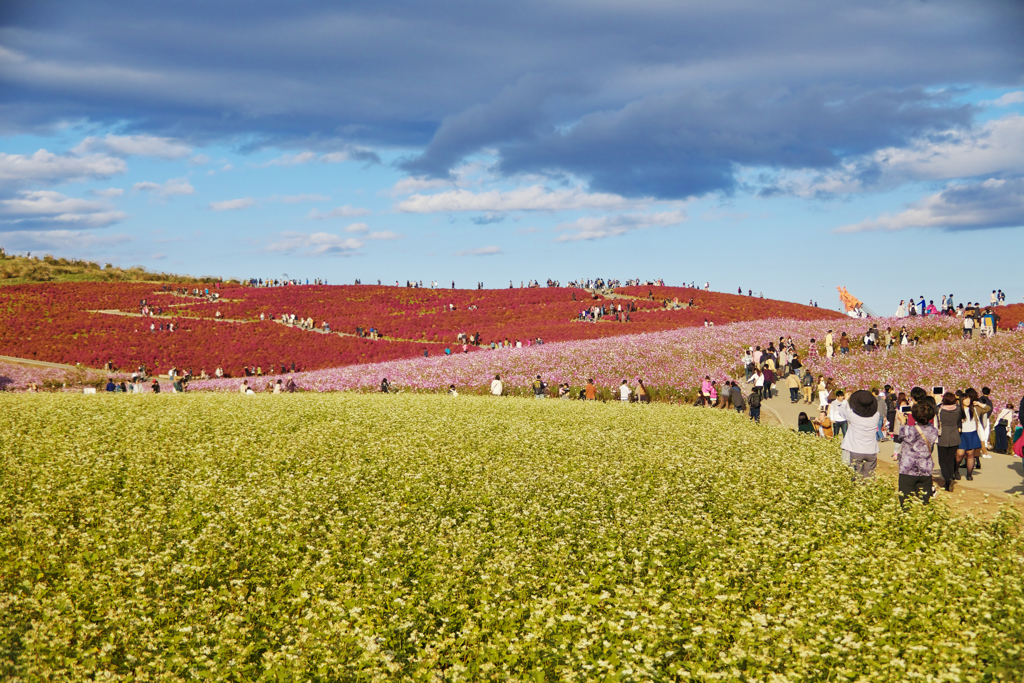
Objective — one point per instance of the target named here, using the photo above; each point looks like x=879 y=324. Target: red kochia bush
x=56 y=322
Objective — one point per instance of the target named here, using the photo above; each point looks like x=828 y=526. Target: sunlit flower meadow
x=424 y=537
x=675 y=360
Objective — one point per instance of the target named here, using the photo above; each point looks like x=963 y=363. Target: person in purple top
x=916 y=463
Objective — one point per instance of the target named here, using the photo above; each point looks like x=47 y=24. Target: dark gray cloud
x=639 y=97
x=993 y=203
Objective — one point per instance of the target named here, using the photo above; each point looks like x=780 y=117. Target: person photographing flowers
x=915 y=457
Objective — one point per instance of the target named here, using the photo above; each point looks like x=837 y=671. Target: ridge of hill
x=17 y=270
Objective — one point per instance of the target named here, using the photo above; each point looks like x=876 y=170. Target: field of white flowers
x=378 y=537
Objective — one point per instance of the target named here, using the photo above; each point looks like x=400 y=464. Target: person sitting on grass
x=823 y=424
x=804 y=424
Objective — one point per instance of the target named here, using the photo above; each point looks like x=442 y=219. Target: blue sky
x=785 y=147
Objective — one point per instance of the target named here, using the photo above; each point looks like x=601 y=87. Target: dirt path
x=999 y=478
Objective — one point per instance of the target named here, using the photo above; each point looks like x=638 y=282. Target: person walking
x=793 y=383
x=641 y=392
x=539 y=387
x=915 y=460
x=807 y=384
x=860 y=425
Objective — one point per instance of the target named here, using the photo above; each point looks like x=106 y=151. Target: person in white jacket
x=624 y=392
x=497 y=388
x=860 y=444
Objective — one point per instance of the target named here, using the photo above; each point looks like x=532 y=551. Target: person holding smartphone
x=969 y=419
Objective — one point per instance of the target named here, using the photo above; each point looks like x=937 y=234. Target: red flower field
x=63 y=322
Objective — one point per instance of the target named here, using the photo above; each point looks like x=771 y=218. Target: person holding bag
x=1002 y=426
x=916 y=453
x=970 y=419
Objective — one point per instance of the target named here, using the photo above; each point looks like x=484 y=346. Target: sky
x=786 y=148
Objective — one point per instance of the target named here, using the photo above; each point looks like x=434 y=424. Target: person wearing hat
x=860 y=442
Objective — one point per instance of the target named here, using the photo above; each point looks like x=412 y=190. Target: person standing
x=385 y=386
x=860 y=425
x=590 y=391
x=828 y=344
x=837 y=415
x=539 y=387
x=1002 y=427
x=970 y=443
x=808 y=386
x=624 y=392
x=754 y=401
x=736 y=396
x=758 y=380
x=497 y=388
x=916 y=453
x=949 y=439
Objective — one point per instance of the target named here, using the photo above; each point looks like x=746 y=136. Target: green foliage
x=377 y=537
x=16 y=270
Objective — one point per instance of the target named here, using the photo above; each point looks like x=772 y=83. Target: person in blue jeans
x=754 y=401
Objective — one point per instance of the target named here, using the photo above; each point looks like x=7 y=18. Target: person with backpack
x=539 y=387
x=754 y=401
x=807 y=385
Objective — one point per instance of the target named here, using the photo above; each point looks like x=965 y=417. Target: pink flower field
x=678 y=359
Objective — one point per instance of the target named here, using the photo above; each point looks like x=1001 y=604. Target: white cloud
x=1006 y=100
x=482 y=251
x=45 y=207
x=358 y=228
x=72 y=242
x=383 y=235
x=993 y=203
x=232 y=204
x=533 y=198
x=46 y=167
x=315 y=244
x=300 y=158
x=199 y=160
x=598 y=227
x=107 y=192
x=299 y=198
x=172 y=188
x=997 y=147
x=135 y=145
x=338 y=212
x=409 y=185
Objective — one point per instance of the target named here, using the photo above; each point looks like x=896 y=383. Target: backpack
x=754 y=401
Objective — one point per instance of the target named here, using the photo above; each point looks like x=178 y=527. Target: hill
x=15 y=270
x=233 y=326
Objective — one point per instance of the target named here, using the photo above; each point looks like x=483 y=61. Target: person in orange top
x=824 y=424
x=591 y=390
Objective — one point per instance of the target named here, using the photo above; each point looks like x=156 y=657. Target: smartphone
x=905 y=410
x=938 y=391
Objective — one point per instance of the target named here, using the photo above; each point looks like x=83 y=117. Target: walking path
x=1000 y=475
